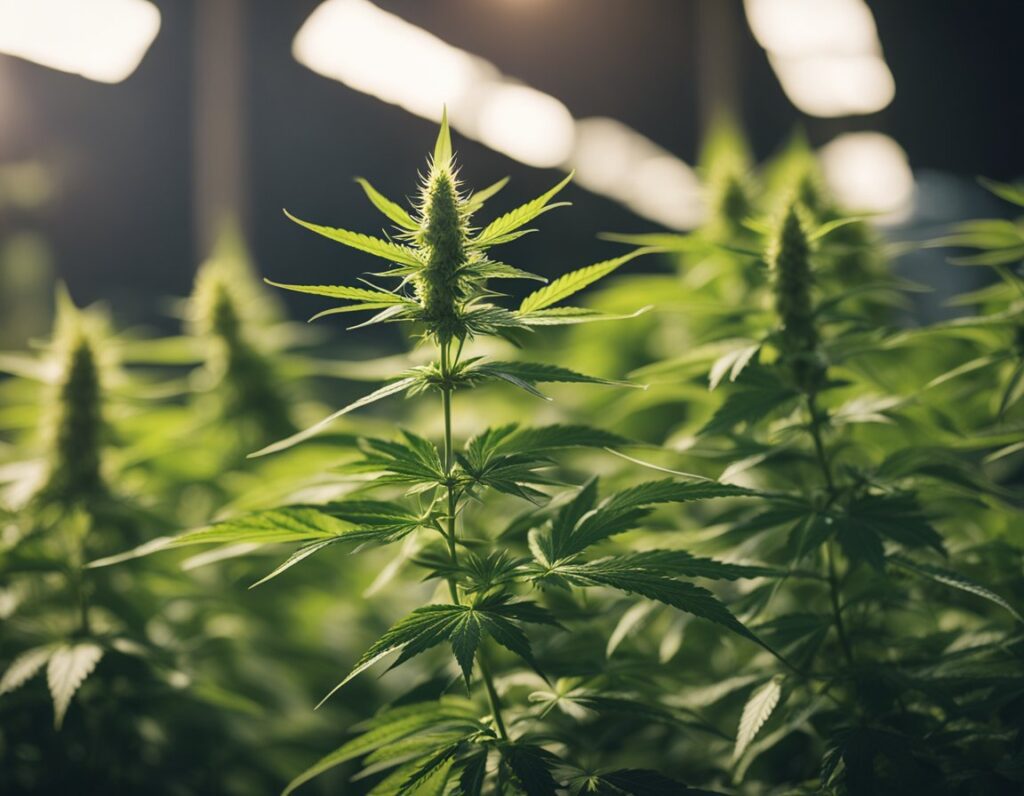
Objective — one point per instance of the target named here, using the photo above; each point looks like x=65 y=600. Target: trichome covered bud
x=440 y=284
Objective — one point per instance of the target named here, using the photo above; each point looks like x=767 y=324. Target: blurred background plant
x=787 y=298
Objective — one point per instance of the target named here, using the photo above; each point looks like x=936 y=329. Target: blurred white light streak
x=826 y=54
x=611 y=158
x=526 y=124
x=836 y=85
x=381 y=54
x=869 y=172
x=811 y=27
x=102 y=40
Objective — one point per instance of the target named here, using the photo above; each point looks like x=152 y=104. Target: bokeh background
x=117 y=188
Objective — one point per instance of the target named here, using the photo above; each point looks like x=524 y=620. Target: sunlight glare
x=613 y=159
x=381 y=54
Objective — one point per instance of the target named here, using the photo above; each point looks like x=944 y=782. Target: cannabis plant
x=713 y=308
x=61 y=509
x=889 y=651
x=703 y=301
x=93 y=654
x=241 y=376
x=235 y=394
x=511 y=708
x=995 y=336
x=228 y=313
x=56 y=498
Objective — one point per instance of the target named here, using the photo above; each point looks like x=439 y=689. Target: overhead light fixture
x=869 y=172
x=830 y=86
x=381 y=54
x=102 y=40
x=611 y=158
x=810 y=27
x=826 y=54
x=526 y=124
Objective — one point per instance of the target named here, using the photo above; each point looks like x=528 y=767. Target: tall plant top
x=443 y=265
x=498 y=586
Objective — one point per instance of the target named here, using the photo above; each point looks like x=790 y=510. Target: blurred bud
x=229 y=310
x=789 y=259
x=74 y=421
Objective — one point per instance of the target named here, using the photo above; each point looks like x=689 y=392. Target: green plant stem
x=83 y=602
x=446 y=400
x=833 y=580
x=492 y=697
x=75 y=552
x=819 y=445
x=837 y=611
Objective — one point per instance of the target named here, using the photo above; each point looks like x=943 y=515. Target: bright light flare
x=379 y=53
x=666 y=190
x=613 y=159
x=826 y=54
x=102 y=40
x=829 y=86
x=794 y=28
x=526 y=124
x=869 y=172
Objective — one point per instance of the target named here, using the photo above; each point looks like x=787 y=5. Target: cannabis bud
x=730 y=203
x=228 y=311
x=440 y=284
x=724 y=161
x=789 y=259
x=74 y=434
x=811 y=194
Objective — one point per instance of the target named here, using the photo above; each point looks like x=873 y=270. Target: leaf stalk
x=826 y=470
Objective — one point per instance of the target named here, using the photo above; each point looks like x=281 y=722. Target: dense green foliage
x=781 y=555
